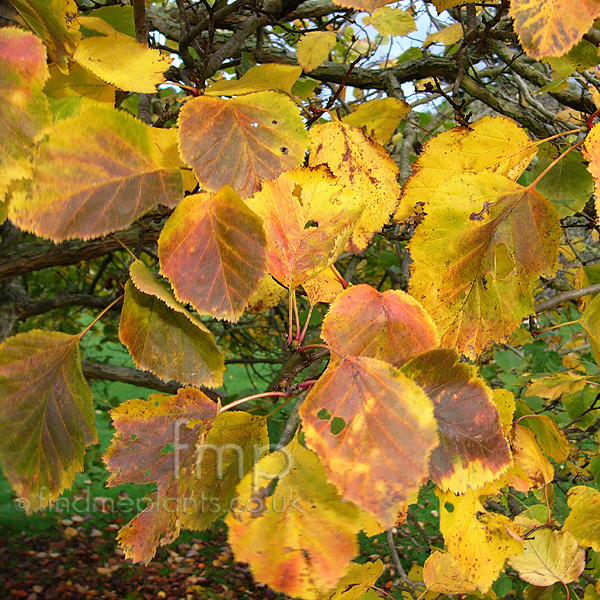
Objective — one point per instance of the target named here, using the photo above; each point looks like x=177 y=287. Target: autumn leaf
x=391 y=326
x=478 y=253
x=152 y=320
x=583 y=520
x=23 y=72
x=324 y=286
x=156 y=441
x=552 y=27
x=549 y=436
x=442 y=574
x=213 y=251
x=473 y=450
x=365 y=168
x=362 y=5
x=549 y=557
x=494 y=144
x=529 y=458
x=591 y=152
x=313 y=49
x=479 y=541
x=240 y=141
x=46 y=414
x=308 y=217
x=555 y=385
x=391 y=21
x=261 y=78
x=118 y=178
x=76 y=83
x=359 y=578
x=120 y=60
x=364 y=412
x=505 y=404
x=590 y=321
x=267 y=294
x=442 y=5
x=55 y=22
x=379 y=118
x=292 y=526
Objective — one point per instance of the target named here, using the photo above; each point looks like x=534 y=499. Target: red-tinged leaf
x=46 y=414
x=23 y=105
x=55 y=21
x=165 y=338
x=472 y=449
x=365 y=413
x=591 y=153
x=390 y=326
x=297 y=533
x=140 y=453
x=213 y=251
x=240 y=141
x=308 y=218
x=88 y=194
x=365 y=168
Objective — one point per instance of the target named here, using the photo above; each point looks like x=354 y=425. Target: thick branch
x=39 y=307
x=566 y=296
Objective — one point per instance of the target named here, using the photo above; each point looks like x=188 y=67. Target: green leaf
x=46 y=414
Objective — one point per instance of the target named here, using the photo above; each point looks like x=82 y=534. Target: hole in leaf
x=274 y=121
x=337 y=425
x=310 y=223
x=253 y=124
x=168 y=449
x=283 y=150
x=133 y=436
x=324 y=414
x=147 y=472
x=449 y=507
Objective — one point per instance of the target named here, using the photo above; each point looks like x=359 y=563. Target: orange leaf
x=213 y=251
x=390 y=326
x=240 y=141
x=365 y=413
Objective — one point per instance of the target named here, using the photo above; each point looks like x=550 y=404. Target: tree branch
x=566 y=296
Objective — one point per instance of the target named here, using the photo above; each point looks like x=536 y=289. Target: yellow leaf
x=324 y=286
x=55 y=21
x=268 y=294
x=509 y=233
x=442 y=5
x=552 y=27
x=480 y=544
x=529 y=457
x=167 y=144
x=365 y=168
x=122 y=61
x=584 y=519
x=391 y=21
x=442 y=574
x=308 y=217
x=362 y=5
x=591 y=152
x=292 y=526
x=505 y=403
x=379 y=118
x=448 y=35
x=590 y=321
x=554 y=386
x=313 y=49
x=494 y=144
x=261 y=78
x=78 y=82
x=550 y=557
x=357 y=580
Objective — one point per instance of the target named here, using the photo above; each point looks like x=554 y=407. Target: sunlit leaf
x=55 y=21
x=480 y=249
x=92 y=193
x=267 y=294
x=391 y=326
x=365 y=413
x=292 y=526
x=584 y=519
x=120 y=60
x=473 y=450
x=140 y=453
x=552 y=27
x=356 y=582
x=379 y=118
x=448 y=35
x=590 y=321
x=549 y=557
x=365 y=168
x=152 y=321
x=591 y=152
x=479 y=541
x=391 y=21
x=261 y=78
x=313 y=49
x=23 y=72
x=550 y=437
x=76 y=83
x=495 y=144
x=555 y=385
x=442 y=574
x=324 y=287
x=240 y=141
x=362 y=5
x=46 y=414
x=442 y=5
x=308 y=218
x=529 y=458
x=213 y=251
x=505 y=403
